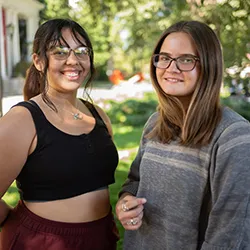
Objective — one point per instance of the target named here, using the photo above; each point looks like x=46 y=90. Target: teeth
x=71 y=74
x=172 y=80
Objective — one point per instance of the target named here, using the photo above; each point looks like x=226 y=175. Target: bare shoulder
x=17 y=125
x=16 y=117
x=17 y=131
x=105 y=118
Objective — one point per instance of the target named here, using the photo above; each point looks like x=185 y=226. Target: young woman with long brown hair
x=60 y=151
x=189 y=185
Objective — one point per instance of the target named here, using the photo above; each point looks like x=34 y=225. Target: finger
x=140 y=216
x=133 y=227
x=132 y=224
x=135 y=220
x=124 y=216
x=132 y=203
x=124 y=206
x=132 y=219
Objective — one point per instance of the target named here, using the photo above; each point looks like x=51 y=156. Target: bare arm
x=16 y=135
x=106 y=119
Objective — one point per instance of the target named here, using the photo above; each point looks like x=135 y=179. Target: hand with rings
x=132 y=222
x=129 y=210
x=124 y=206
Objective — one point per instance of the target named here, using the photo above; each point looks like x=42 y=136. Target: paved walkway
x=118 y=92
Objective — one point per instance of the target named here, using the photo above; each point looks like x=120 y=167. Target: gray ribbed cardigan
x=196 y=198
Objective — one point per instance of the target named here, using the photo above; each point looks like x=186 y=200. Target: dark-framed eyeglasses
x=62 y=53
x=183 y=63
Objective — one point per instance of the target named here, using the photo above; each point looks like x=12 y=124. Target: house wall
x=9 y=32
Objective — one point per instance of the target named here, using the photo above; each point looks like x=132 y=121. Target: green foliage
x=54 y=9
x=125 y=32
x=20 y=68
x=230 y=20
x=101 y=73
x=238 y=104
x=131 y=112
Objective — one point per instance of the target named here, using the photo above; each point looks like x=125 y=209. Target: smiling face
x=66 y=75
x=171 y=80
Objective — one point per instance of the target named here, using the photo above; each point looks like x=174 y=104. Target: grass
x=126 y=138
x=120 y=177
x=12 y=195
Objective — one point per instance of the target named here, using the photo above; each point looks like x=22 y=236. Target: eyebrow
x=168 y=54
x=66 y=46
x=62 y=42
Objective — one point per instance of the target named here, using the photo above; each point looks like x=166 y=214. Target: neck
x=59 y=98
x=66 y=109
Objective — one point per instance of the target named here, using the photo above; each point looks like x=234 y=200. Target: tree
x=231 y=21
x=125 y=32
x=54 y=9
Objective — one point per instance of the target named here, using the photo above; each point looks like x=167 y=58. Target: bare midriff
x=83 y=208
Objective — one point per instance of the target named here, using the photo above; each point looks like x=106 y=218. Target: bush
x=131 y=112
x=238 y=104
x=20 y=68
x=134 y=112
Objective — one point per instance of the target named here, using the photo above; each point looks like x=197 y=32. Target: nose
x=173 y=67
x=72 y=59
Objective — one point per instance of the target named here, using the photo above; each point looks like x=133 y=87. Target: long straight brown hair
x=196 y=125
x=47 y=35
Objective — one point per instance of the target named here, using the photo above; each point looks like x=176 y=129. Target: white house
x=19 y=20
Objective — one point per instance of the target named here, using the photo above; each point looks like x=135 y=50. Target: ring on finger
x=124 y=207
x=132 y=222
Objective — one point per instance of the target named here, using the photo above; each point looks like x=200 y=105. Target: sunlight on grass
x=123 y=129
x=127 y=137
x=12 y=195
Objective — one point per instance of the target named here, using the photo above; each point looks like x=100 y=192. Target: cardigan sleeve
x=132 y=183
x=229 y=219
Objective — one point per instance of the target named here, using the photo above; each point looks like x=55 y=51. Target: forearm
x=4 y=211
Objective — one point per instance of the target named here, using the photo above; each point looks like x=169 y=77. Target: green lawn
x=120 y=176
x=126 y=138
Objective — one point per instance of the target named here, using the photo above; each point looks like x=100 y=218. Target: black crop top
x=64 y=165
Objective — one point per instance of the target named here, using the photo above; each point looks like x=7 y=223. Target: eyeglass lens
x=183 y=63
x=62 y=53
